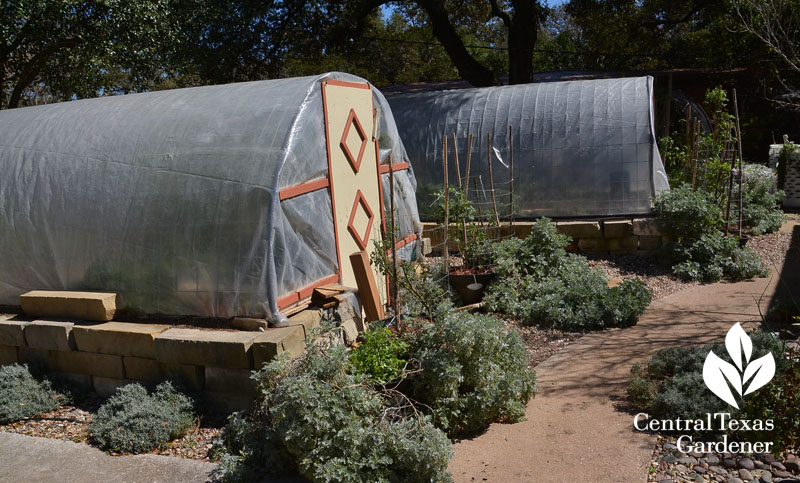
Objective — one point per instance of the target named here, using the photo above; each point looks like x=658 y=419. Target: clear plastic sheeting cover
x=171 y=198
x=581 y=148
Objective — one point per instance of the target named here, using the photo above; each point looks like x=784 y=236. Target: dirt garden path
x=580 y=426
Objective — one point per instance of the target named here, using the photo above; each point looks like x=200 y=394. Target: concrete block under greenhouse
x=148 y=371
x=120 y=338
x=627 y=244
x=308 y=319
x=8 y=354
x=236 y=382
x=50 y=335
x=617 y=228
x=646 y=227
x=580 y=229
x=92 y=306
x=206 y=347
x=106 y=386
x=276 y=341
x=593 y=245
x=91 y=364
x=648 y=242
x=79 y=381
x=28 y=355
x=12 y=331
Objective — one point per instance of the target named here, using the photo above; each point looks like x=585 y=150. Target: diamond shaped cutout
x=348 y=140
x=360 y=207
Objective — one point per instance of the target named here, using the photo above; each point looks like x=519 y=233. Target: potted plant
x=474 y=267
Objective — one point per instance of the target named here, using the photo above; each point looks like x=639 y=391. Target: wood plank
x=367 y=288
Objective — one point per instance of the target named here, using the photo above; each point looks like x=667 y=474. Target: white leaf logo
x=721 y=376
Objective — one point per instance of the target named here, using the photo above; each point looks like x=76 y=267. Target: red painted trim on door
x=357 y=85
x=395 y=167
x=303 y=188
x=305 y=292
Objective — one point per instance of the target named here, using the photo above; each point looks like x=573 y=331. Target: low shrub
x=381 y=355
x=781 y=403
x=760 y=200
x=23 y=396
x=540 y=283
x=474 y=372
x=670 y=385
x=134 y=420
x=684 y=214
x=702 y=252
x=715 y=256
x=320 y=419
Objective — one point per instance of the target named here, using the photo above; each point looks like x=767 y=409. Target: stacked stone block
x=105 y=356
x=629 y=235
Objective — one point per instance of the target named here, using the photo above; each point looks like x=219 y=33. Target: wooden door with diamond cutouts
x=354 y=172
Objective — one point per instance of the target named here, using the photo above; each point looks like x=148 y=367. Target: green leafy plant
x=686 y=214
x=23 y=396
x=421 y=285
x=470 y=240
x=701 y=251
x=474 y=372
x=714 y=256
x=381 y=355
x=134 y=420
x=760 y=200
x=540 y=283
x=319 y=418
x=781 y=404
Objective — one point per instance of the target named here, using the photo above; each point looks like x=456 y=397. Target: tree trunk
x=33 y=67
x=523 y=30
x=469 y=69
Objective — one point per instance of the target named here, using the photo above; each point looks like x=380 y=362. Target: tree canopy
x=62 y=49
x=59 y=49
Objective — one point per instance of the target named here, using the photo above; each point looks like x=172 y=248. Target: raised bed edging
x=108 y=355
x=627 y=235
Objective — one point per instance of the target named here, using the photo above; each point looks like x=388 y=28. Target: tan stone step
x=120 y=338
x=206 y=347
x=276 y=341
x=95 y=306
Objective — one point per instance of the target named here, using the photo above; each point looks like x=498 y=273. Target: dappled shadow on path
x=785 y=301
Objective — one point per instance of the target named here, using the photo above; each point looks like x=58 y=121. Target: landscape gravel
x=670 y=464
x=71 y=423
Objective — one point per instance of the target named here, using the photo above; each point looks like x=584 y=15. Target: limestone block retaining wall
x=104 y=356
x=619 y=235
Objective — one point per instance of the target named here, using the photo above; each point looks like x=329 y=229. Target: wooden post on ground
x=458 y=177
x=511 y=176
x=393 y=285
x=466 y=172
x=491 y=177
x=367 y=288
x=455 y=158
x=446 y=249
x=741 y=161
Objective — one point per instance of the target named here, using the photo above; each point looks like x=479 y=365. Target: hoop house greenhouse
x=218 y=201
x=580 y=148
